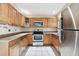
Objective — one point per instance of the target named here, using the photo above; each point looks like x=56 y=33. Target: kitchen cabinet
x=47 y=22
x=13 y=15
x=51 y=39
x=13 y=47
x=21 y=20
x=55 y=41
x=44 y=20
x=29 y=38
x=9 y=15
x=47 y=39
x=52 y=22
x=17 y=18
x=9 y=48
x=14 y=50
x=27 y=22
x=18 y=46
x=4 y=13
x=4 y=48
x=23 y=44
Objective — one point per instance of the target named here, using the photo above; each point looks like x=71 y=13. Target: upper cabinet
x=39 y=20
x=9 y=15
x=20 y=20
x=47 y=22
x=4 y=13
x=53 y=22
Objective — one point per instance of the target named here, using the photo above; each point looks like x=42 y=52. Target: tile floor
x=40 y=51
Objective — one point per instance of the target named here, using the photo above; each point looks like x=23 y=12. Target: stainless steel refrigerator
x=70 y=30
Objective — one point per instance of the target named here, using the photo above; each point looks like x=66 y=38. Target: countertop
x=9 y=37
x=11 y=34
x=12 y=37
x=18 y=36
x=51 y=33
x=41 y=29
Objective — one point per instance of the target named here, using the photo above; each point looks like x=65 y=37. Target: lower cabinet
x=46 y=39
x=15 y=47
x=55 y=41
x=14 y=50
x=29 y=38
x=3 y=48
x=22 y=48
x=51 y=39
x=22 y=45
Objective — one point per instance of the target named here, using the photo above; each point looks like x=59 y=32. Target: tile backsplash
x=5 y=28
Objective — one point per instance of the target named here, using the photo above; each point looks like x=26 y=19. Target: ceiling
x=39 y=9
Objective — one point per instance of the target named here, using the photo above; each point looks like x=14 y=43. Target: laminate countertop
x=10 y=38
x=51 y=33
x=13 y=37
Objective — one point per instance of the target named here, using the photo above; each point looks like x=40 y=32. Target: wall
x=5 y=28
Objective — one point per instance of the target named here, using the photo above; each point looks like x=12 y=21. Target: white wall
x=5 y=28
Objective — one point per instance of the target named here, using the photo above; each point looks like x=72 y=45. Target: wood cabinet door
x=52 y=22
x=11 y=17
x=4 y=49
x=55 y=41
x=23 y=41
x=14 y=50
x=18 y=19
x=4 y=9
x=22 y=20
x=14 y=17
x=45 y=22
x=4 y=12
x=47 y=39
x=29 y=38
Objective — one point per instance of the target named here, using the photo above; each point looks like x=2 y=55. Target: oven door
x=37 y=37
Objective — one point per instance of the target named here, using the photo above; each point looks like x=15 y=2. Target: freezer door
x=68 y=22
x=75 y=11
x=67 y=19
x=67 y=47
